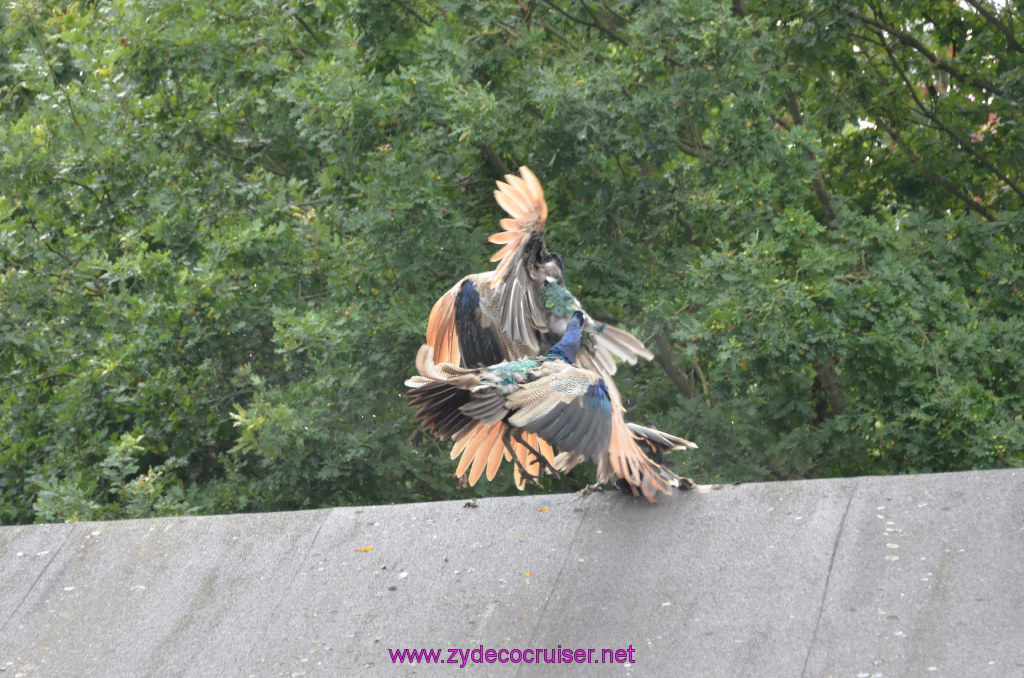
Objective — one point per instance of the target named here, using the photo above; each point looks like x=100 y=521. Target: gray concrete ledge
x=863 y=577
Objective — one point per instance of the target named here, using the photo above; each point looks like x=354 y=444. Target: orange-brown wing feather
x=441 y=332
x=495 y=454
x=483 y=452
x=466 y=446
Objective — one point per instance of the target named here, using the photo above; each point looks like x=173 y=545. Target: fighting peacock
x=547 y=397
x=516 y=312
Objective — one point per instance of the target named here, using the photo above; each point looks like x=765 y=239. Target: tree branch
x=918 y=46
x=664 y=358
x=607 y=31
x=413 y=12
x=1011 y=39
x=820 y=190
x=492 y=157
x=969 y=202
x=601 y=27
x=309 y=30
x=964 y=144
x=99 y=200
x=828 y=381
x=558 y=35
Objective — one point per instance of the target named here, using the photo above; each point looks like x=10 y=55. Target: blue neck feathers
x=570 y=343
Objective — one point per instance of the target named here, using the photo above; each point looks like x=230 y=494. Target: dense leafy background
x=222 y=225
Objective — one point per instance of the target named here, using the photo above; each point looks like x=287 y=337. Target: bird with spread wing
x=545 y=397
x=519 y=310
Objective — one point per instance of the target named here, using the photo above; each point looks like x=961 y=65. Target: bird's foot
x=524 y=473
x=541 y=460
x=506 y=438
x=587 y=491
x=546 y=465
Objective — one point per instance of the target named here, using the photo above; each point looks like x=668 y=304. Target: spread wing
x=569 y=408
x=559 y=404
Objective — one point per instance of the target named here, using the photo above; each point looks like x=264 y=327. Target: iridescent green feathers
x=547 y=396
x=518 y=311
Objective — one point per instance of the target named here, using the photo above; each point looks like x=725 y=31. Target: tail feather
x=627 y=461
x=621 y=344
x=504 y=237
x=425 y=363
x=523 y=199
x=511 y=200
x=440 y=396
x=659 y=440
x=439 y=414
x=433 y=371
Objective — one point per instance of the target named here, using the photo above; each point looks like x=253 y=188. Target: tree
x=222 y=227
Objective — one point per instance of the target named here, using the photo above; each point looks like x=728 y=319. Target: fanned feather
x=523 y=199
x=503 y=237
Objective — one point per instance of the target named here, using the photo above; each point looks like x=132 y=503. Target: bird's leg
x=686 y=483
x=541 y=459
x=506 y=438
x=587 y=491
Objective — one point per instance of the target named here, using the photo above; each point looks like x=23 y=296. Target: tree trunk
x=827 y=383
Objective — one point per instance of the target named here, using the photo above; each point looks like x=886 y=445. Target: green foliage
x=222 y=227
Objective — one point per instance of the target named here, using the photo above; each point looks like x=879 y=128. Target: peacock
x=520 y=309
x=546 y=397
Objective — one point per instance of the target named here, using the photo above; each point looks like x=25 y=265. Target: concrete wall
x=892 y=576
